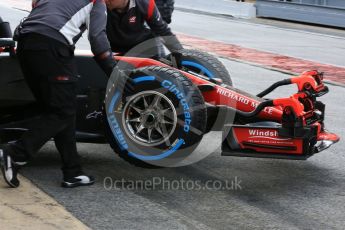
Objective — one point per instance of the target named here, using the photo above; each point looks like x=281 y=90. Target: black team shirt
x=140 y=22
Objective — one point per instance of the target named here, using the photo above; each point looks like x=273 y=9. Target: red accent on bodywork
x=139 y=62
x=229 y=97
x=326 y=136
x=308 y=80
x=268 y=137
x=291 y=102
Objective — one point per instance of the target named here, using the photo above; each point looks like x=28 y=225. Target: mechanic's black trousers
x=50 y=72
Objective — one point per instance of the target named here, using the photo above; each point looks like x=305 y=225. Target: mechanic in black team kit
x=133 y=22
x=46 y=40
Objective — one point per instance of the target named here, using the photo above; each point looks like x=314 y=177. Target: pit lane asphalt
x=274 y=193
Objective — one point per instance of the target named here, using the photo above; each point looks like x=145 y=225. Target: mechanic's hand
x=106 y=62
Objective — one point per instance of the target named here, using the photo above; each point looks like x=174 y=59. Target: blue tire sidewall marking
x=138 y=80
x=113 y=102
x=161 y=156
x=117 y=132
x=114 y=125
x=198 y=66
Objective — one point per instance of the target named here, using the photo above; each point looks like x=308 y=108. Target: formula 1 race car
x=175 y=102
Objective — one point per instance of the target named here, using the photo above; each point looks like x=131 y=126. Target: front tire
x=160 y=123
x=204 y=64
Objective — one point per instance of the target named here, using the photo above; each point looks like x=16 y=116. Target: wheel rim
x=149 y=118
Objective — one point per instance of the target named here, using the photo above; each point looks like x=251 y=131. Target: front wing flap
x=264 y=141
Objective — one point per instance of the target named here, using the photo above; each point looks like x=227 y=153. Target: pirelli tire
x=160 y=123
x=205 y=64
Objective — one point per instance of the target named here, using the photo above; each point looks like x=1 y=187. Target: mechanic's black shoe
x=9 y=169
x=77 y=181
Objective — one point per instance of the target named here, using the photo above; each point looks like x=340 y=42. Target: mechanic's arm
x=161 y=28
x=100 y=46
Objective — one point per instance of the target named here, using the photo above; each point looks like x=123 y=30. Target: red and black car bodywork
x=290 y=128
